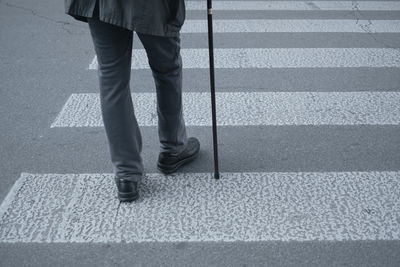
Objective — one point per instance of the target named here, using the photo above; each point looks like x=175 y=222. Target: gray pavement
x=44 y=57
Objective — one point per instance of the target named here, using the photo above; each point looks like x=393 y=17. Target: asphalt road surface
x=308 y=114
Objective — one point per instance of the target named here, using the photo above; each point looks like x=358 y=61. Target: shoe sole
x=127 y=196
x=168 y=169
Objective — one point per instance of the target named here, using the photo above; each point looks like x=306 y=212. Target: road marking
x=250 y=108
x=248 y=206
x=278 y=58
x=290 y=25
x=296 y=5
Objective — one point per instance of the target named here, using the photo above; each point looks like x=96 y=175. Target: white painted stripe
x=296 y=5
x=278 y=58
x=249 y=206
x=293 y=25
x=250 y=108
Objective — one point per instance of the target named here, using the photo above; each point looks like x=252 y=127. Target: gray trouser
x=113 y=47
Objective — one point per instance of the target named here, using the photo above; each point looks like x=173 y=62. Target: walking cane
x=212 y=82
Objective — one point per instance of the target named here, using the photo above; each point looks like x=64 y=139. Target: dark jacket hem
x=83 y=17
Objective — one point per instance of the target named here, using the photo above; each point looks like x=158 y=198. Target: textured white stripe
x=249 y=206
x=296 y=25
x=295 y=5
x=278 y=58
x=254 y=108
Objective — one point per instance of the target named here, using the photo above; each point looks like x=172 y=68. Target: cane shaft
x=212 y=83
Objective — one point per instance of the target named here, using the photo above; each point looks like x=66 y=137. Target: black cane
x=212 y=82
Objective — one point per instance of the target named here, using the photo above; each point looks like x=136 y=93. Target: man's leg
x=166 y=64
x=113 y=46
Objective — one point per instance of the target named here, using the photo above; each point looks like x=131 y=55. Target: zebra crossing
x=244 y=58
x=241 y=206
x=248 y=206
x=296 y=5
x=250 y=108
x=316 y=25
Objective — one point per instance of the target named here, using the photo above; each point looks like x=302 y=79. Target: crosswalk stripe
x=278 y=58
x=250 y=108
x=243 y=206
x=297 y=5
x=297 y=25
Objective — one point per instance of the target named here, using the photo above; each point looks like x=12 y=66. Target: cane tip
x=216 y=175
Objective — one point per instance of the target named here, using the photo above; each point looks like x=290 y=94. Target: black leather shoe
x=169 y=163
x=127 y=190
